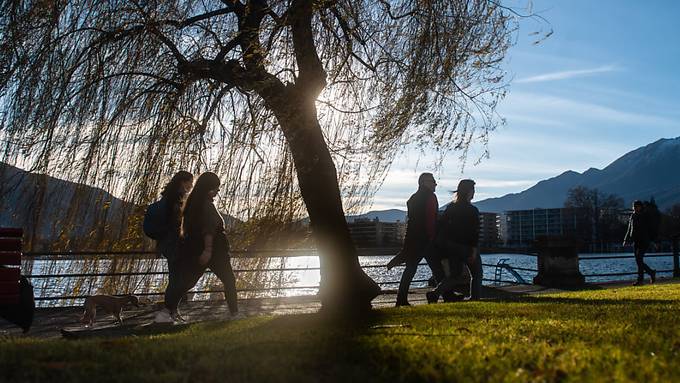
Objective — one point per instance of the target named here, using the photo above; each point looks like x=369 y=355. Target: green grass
x=630 y=334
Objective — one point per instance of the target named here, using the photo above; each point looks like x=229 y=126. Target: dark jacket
x=209 y=221
x=459 y=224
x=417 y=236
x=638 y=228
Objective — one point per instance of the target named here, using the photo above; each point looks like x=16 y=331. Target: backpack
x=21 y=314
x=155 y=223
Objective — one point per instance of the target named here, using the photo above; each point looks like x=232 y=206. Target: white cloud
x=567 y=74
x=534 y=120
x=580 y=113
x=546 y=135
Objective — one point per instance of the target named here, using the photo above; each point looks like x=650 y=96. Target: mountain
x=58 y=214
x=651 y=170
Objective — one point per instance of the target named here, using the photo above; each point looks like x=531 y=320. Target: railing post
x=676 y=256
x=558 y=262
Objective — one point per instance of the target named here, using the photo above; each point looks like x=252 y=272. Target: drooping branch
x=177 y=84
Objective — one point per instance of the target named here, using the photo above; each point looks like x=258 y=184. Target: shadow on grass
x=424 y=343
x=117 y=331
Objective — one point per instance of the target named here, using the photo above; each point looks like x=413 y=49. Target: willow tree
x=289 y=101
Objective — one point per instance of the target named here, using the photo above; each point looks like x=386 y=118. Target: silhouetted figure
x=172 y=201
x=639 y=232
x=458 y=239
x=420 y=233
x=205 y=245
x=21 y=313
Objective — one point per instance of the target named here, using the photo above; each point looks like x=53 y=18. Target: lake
x=272 y=276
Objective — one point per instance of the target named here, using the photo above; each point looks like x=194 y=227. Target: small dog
x=109 y=303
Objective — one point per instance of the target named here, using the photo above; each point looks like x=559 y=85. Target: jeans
x=190 y=271
x=456 y=262
x=477 y=274
x=411 y=267
x=169 y=248
x=640 y=249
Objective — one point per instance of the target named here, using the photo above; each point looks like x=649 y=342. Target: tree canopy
x=592 y=199
x=120 y=94
x=603 y=212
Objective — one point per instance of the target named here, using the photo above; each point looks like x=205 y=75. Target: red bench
x=10 y=263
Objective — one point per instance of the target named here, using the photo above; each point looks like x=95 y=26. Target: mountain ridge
x=65 y=214
x=645 y=172
x=639 y=174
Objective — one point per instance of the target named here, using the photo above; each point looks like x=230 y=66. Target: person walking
x=638 y=231
x=205 y=246
x=420 y=232
x=173 y=197
x=458 y=238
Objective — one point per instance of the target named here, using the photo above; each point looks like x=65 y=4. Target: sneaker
x=638 y=283
x=432 y=297
x=653 y=276
x=177 y=317
x=163 y=316
x=452 y=296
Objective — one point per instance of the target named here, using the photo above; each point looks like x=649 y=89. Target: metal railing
x=151 y=255
x=621 y=257
x=57 y=256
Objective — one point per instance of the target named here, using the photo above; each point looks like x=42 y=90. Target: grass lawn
x=628 y=334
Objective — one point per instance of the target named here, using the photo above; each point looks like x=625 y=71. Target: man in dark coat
x=638 y=231
x=420 y=233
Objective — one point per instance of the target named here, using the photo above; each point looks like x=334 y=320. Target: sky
x=604 y=83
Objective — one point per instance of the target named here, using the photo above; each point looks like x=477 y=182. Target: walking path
x=49 y=322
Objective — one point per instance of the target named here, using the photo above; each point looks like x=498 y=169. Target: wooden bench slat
x=10 y=244
x=11 y=232
x=9 y=299
x=10 y=254
x=8 y=274
x=9 y=288
x=10 y=258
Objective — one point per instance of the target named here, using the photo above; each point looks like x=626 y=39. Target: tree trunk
x=344 y=285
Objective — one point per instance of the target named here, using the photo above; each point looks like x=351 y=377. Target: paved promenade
x=49 y=322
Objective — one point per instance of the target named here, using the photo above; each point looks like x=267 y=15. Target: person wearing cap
x=638 y=232
x=458 y=238
x=420 y=232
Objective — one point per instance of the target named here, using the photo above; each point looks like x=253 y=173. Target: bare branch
x=194 y=19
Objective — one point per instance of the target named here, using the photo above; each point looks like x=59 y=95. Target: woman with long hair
x=172 y=197
x=205 y=245
x=458 y=237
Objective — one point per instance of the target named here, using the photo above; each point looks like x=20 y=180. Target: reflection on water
x=268 y=277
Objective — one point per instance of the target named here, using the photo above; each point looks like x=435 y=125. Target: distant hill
x=58 y=214
x=652 y=170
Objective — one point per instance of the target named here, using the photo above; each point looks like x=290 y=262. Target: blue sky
x=605 y=83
